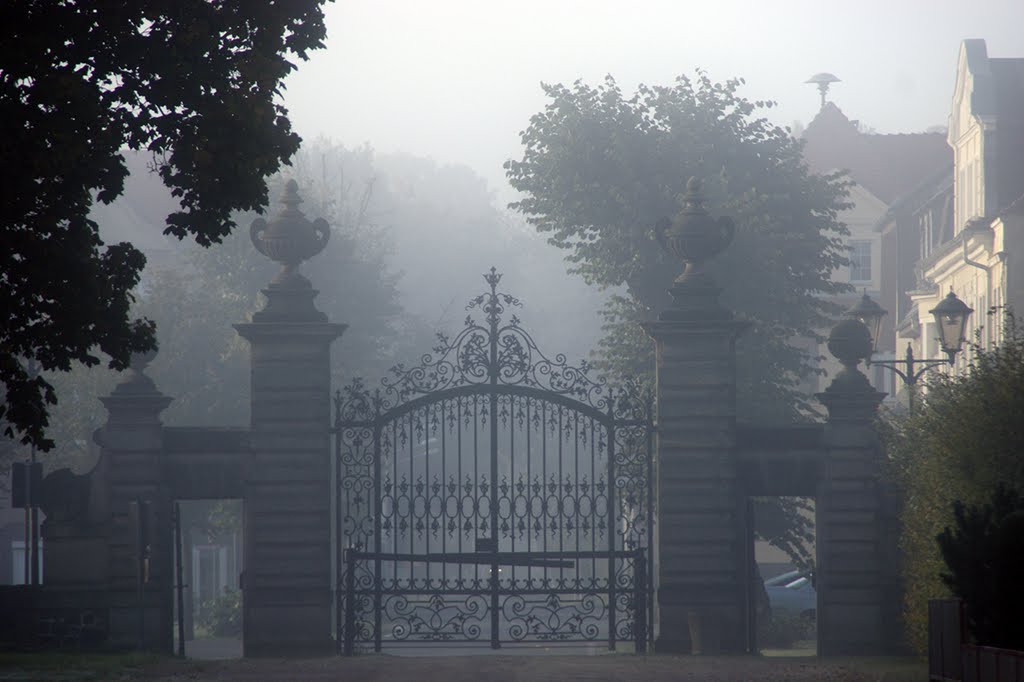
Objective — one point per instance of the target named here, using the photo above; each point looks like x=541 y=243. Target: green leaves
x=599 y=169
x=960 y=445
x=195 y=84
x=984 y=555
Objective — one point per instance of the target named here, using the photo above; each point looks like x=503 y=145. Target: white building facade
x=983 y=263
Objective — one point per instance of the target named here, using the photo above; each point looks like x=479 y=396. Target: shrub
x=962 y=441
x=984 y=554
x=222 y=616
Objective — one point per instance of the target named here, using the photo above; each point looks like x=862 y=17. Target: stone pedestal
x=701 y=511
x=286 y=584
x=76 y=532
x=856 y=606
x=132 y=442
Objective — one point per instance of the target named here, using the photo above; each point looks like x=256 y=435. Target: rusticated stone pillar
x=132 y=442
x=287 y=581
x=856 y=605
x=701 y=509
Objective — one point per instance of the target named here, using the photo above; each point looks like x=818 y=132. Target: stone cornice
x=251 y=331
x=668 y=328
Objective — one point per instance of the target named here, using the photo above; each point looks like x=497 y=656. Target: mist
x=585 y=316
x=457 y=80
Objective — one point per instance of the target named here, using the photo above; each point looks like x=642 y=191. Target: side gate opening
x=491 y=496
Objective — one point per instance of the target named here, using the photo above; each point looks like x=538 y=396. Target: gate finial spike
x=492 y=278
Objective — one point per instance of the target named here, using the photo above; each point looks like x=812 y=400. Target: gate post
x=701 y=527
x=287 y=603
x=855 y=605
x=132 y=468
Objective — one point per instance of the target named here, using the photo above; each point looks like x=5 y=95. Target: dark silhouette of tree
x=984 y=556
x=196 y=84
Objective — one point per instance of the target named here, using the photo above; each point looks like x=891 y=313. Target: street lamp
x=951 y=315
x=871 y=314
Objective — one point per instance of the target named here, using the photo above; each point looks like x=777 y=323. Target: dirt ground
x=530 y=668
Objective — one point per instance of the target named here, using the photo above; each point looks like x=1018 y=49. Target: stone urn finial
x=136 y=380
x=694 y=236
x=290 y=237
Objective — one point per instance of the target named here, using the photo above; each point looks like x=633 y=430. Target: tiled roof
x=939 y=182
x=888 y=166
x=1008 y=75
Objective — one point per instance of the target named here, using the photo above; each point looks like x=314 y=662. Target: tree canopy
x=196 y=85
x=600 y=168
x=984 y=555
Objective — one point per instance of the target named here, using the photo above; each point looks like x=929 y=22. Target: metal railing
x=951 y=658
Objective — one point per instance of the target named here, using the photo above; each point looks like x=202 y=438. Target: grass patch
x=887 y=668
x=64 y=665
x=884 y=668
x=800 y=649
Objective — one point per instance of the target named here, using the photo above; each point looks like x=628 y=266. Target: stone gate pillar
x=132 y=468
x=701 y=509
x=287 y=604
x=857 y=611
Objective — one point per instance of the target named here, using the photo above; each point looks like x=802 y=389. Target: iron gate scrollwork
x=493 y=495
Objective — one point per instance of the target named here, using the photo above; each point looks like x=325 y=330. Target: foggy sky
x=458 y=79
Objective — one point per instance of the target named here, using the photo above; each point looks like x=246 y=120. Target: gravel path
x=534 y=669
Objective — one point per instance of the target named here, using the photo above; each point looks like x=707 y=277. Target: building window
x=860 y=261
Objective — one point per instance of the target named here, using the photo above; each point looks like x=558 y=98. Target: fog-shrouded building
x=886 y=170
x=977 y=251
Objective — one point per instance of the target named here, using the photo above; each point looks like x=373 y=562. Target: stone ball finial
x=694 y=236
x=850 y=342
x=290 y=238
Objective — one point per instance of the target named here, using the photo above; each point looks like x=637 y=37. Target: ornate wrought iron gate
x=493 y=495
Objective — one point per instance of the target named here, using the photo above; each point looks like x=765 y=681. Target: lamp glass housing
x=870 y=314
x=951 y=316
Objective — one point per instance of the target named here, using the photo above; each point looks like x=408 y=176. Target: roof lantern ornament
x=290 y=237
x=823 y=80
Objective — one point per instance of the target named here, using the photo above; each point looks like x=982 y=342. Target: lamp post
x=951 y=315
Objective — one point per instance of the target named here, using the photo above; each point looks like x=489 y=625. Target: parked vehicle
x=793 y=591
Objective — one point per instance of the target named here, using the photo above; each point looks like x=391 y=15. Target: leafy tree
x=599 y=169
x=984 y=555
x=962 y=442
x=194 y=83
x=439 y=227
